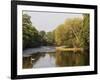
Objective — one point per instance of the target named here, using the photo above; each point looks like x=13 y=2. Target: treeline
x=72 y=33
x=32 y=37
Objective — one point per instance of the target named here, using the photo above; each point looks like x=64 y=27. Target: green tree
x=30 y=34
x=43 y=38
x=50 y=38
x=85 y=31
x=68 y=33
x=59 y=34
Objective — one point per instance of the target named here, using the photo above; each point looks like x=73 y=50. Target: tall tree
x=85 y=31
x=68 y=33
x=30 y=34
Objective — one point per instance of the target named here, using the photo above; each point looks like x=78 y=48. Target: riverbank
x=69 y=49
x=46 y=49
x=41 y=49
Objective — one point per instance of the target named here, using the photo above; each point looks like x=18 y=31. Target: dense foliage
x=31 y=36
x=85 y=31
x=73 y=32
x=68 y=33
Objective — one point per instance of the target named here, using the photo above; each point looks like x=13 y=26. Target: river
x=47 y=56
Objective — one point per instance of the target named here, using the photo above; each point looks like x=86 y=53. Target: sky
x=48 y=21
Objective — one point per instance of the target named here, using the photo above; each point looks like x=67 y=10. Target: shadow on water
x=56 y=59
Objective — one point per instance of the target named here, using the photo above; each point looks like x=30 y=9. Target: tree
x=50 y=38
x=75 y=26
x=30 y=34
x=85 y=31
x=43 y=38
x=59 y=34
x=68 y=33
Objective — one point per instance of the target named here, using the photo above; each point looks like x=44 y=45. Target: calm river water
x=48 y=57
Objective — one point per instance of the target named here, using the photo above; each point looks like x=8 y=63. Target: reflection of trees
x=52 y=54
x=71 y=58
x=28 y=62
x=68 y=58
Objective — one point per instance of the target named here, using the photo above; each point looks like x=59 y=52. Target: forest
x=72 y=33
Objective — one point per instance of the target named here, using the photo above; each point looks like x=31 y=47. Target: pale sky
x=48 y=21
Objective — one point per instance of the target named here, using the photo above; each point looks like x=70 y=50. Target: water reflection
x=72 y=58
x=56 y=59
